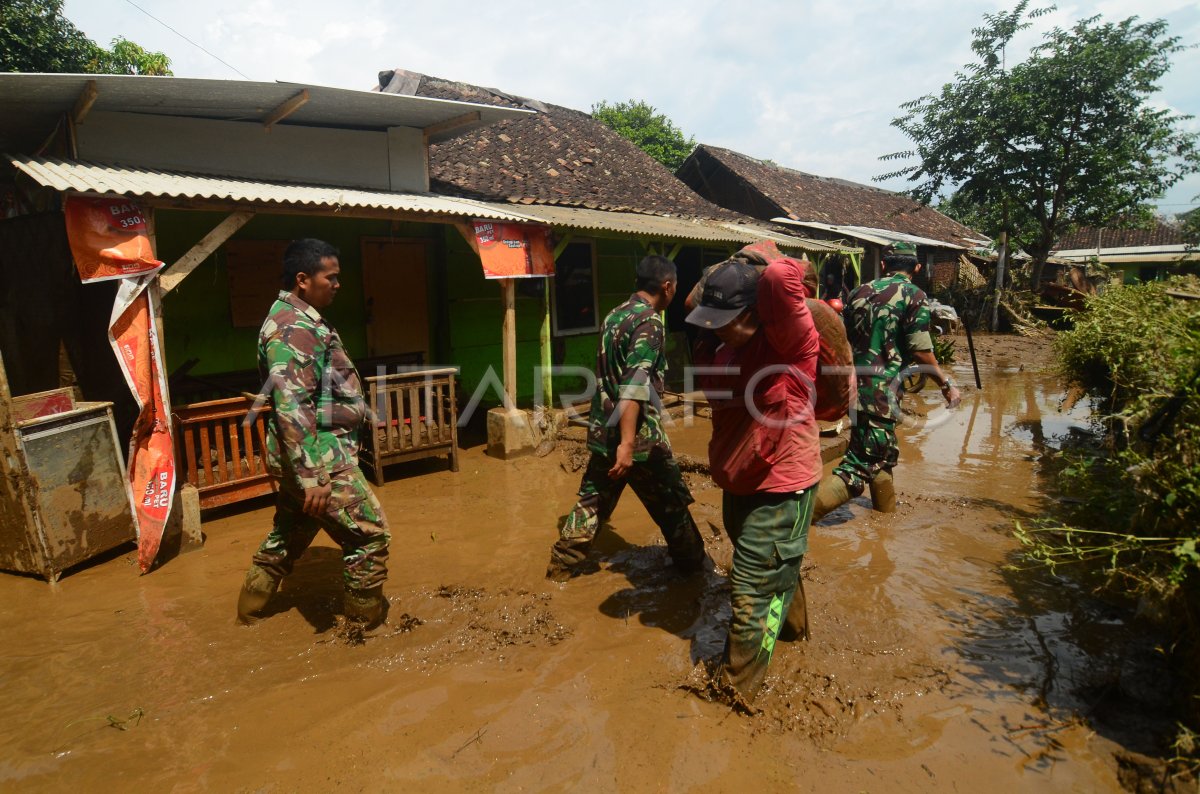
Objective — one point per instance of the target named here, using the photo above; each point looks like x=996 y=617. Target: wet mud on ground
x=931 y=666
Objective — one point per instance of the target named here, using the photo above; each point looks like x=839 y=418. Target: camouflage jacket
x=887 y=320
x=630 y=362
x=315 y=392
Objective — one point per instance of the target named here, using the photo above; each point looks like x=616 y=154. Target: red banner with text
x=108 y=238
x=514 y=250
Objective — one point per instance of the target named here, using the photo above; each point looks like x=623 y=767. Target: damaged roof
x=766 y=191
x=1085 y=237
x=557 y=157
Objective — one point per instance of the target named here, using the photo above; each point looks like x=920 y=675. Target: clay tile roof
x=806 y=197
x=559 y=156
x=1091 y=237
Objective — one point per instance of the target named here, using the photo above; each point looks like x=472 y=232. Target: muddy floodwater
x=931 y=666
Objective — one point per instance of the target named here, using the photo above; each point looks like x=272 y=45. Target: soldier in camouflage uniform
x=887 y=322
x=626 y=436
x=312 y=443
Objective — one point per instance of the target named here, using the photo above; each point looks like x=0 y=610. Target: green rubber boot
x=256 y=592
x=367 y=607
x=831 y=494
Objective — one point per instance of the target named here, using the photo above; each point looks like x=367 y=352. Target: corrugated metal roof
x=31 y=104
x=1131 y=254
x=875 y=235
x=662 y=227
x=84 y=177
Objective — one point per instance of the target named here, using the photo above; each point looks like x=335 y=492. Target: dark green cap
x=902 y=249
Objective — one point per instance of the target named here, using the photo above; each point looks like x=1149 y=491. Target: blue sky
x=811 y=84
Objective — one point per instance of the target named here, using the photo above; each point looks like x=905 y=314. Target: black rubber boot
x=257 y=590
x=367 y=607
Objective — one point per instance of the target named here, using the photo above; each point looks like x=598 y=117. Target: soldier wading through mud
x=312 y=443
x=887 y=322
x=625 y=433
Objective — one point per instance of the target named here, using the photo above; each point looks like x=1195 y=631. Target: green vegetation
x=36 y=37
x=652 y=131
x=1067 y=136
x=1136 y=519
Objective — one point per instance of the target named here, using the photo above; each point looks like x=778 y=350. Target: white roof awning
x=226 y=192
x=880 y=236
x=664 y=227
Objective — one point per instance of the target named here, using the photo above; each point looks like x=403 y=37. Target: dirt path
x=931 y=665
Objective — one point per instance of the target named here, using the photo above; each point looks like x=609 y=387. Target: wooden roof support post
x=508 y=292
x=449 y=125
x=203 y=249
x=285 y=109
x=87 y=98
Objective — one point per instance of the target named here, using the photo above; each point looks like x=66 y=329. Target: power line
x=185 y=38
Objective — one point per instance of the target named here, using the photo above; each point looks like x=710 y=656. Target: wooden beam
x=202 y=250
x=562 y=244
x=449 y=125
x=467 y=231
x=508 y=292
x=83 y=104
x=285 y=109
x=675 y=251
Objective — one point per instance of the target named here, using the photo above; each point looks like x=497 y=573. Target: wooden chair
x=413 y=415
x=224 y=459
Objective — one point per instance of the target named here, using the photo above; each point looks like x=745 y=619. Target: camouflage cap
x=902 y=248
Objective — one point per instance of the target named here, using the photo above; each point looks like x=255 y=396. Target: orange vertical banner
x=108 y=241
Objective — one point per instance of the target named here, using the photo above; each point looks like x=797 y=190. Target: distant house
x=608 y=202
x=831 y=209
x=1140 y=255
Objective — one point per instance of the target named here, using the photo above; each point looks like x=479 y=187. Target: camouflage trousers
x=354 y=520
x=658 y=483
x=873 y=449
x=769 y=532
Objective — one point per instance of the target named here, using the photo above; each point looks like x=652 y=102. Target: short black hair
x=304 y=256
x=908 y=264
x=652 y=271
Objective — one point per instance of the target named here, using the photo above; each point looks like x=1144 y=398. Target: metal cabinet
x=72 y=481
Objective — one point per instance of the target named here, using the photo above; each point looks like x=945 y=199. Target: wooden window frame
x=595 y=328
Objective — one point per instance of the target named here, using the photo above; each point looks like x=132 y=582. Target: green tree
x=1066 y=137
x=652 y=131
x=36 y=37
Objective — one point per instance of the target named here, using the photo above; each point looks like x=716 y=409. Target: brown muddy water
x=931 y=666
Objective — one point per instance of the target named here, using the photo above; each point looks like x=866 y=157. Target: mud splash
x=931 y=665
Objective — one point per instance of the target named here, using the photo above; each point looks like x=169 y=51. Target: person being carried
x=625 y=434
x=887 y=322
x=765 y=450
x=312 y=443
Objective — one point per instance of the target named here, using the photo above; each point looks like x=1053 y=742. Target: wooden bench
x=224 y=459
x=413 y=415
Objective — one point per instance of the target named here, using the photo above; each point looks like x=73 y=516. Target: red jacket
x=770 y=442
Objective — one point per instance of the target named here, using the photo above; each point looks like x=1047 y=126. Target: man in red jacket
x=765 y=450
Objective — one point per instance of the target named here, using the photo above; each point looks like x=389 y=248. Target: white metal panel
x=315 y=155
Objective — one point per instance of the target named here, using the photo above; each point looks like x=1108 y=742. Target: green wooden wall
x=465 y=308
